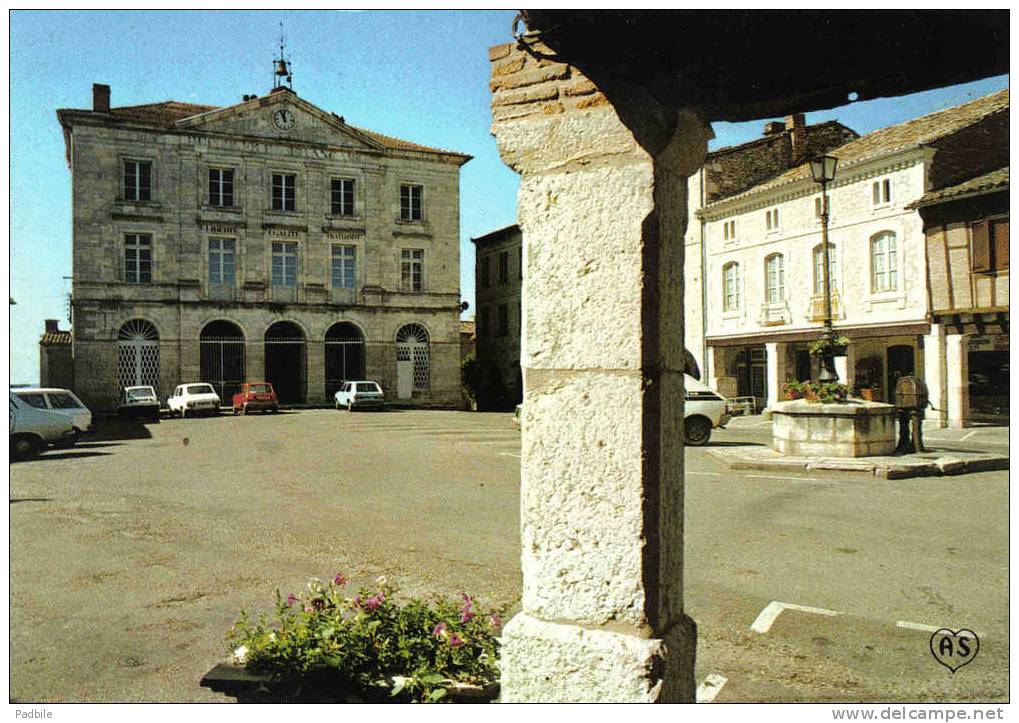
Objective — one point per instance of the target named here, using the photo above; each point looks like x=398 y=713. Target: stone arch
x=138 y=354
x=344 y=355
x=413 y=360
x=221 y=356
x=286 y=360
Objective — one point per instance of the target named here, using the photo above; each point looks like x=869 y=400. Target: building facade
x=56 y=365
x=760 y=280
x=966 y=226
x=264 y=240
x=498 y=319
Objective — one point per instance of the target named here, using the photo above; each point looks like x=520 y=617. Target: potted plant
x=793 y=390
x=868 y=375
x=326 y=645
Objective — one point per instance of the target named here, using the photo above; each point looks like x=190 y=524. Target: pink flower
x=356 y=602
x=291 y=599
x=467 y=600
x=455 y=640
x=339 y=579
x=496 y=621
x=373 y=603
x=439 y=630
x=466 y=615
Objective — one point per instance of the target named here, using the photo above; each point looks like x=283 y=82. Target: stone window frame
x=731 y=292
x=485 y=272
x=209 y=169
x=422 y=203
x=209 y=238
x=284 y=254
x=772 y=220
x=777 y=258
x=122 y=161
x=882 y=193
x=482 y=322
x=729 y=230
x=150 y=247
x=299 y=174
x=422 y=283
x=503 y=320
x=334 y=257
x=817 y=272
x=503 y=267
x=890 y=260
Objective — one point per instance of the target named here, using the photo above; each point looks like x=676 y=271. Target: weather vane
x=281 y=67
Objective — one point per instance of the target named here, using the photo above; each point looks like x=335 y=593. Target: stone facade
x=758 y=301
x=260 y=141
x=499 y=277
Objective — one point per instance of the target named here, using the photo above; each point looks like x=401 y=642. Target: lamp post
x=822 y=169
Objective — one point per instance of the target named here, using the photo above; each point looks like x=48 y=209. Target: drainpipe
x=704 y=283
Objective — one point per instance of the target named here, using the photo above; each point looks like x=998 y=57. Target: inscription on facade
x=220 y=228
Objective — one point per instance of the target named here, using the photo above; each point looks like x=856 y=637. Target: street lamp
x=822 y=169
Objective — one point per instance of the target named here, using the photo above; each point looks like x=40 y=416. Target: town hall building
x=266 y=240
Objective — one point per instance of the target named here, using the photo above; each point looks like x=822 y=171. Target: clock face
x=283 y=119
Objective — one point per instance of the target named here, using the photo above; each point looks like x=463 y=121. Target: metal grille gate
x=344 y=356
x=138 y=355
x=222 y=364
x=285 y=360
x=412 y=345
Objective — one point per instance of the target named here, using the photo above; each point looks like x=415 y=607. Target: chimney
x=52 y=326
x=100 y=98
x=797 y=127
x=773 y=127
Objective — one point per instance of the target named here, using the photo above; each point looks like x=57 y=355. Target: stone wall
x=864 y=429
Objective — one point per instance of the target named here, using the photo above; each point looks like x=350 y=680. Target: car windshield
x=64 y=401
x=200 y=389
x=259 y=388
x=140 y=393
x=367 y=387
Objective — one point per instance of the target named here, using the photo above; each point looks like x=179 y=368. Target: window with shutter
x=980 y=255
x=999 y=239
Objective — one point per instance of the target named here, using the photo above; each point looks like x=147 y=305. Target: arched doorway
x=344 y=352
x=221 y=357
x=413 y=363
x=285 y=361
x=138 y=354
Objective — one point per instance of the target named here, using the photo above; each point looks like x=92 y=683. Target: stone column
x=957 y=381
x=934 y=375
x=254 y=360
x=777 y=354
x=316 y=366
x=602 y=206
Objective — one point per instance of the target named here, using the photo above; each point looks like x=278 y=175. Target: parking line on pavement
x=967 y=436
x=710 y=688
x=509 y=454
x=924 y=628
x=773 y=609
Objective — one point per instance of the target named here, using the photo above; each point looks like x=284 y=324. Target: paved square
x=132 y=555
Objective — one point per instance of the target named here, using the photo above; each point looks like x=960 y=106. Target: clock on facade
x=283 y=119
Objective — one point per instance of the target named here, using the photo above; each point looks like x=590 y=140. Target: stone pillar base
x=545 y=662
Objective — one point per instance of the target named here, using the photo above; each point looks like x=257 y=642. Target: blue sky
x=419 y=75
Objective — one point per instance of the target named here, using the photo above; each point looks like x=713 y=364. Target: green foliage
x=470 y=377
x=323 y=639
x=820 y=345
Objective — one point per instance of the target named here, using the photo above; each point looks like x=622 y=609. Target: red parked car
x=255 y=395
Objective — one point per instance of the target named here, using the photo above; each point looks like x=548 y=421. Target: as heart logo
x=954 y=648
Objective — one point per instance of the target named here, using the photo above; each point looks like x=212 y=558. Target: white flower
x=272 y=637
x=381 y=580
x=241 y=655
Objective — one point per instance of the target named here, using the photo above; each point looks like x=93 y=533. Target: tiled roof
x=56 y=338
x=168 y=112
x=912 y=133
x=993 y=181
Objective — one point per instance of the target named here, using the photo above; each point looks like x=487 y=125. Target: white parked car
x=139 y=402
x=193 y=399
x=34 y=428
x=359 y=394
x=61 y=401
x=705 y=409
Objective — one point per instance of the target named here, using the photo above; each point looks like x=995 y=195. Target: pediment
x=280 y=116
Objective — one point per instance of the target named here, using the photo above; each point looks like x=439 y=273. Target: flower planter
x=846 y=429
x=235 y=681
x=867 y=393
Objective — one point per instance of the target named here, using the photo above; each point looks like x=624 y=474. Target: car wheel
x=337 y=405
x=350 y=406
x=244 y=410
x=697 y=431
x=24 y=447
x=183 y=412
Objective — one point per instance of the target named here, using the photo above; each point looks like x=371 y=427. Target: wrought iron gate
x=222 y=364
x=285 y=360
x=344 y=356
x=412 y=345
x=138 y=355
